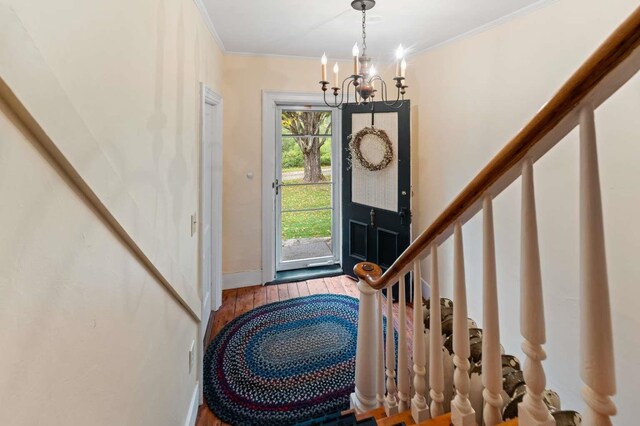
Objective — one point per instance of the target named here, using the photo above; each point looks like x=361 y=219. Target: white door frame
x=270 y=137
x=210 y=293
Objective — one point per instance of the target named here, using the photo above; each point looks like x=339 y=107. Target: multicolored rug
x=285 y=362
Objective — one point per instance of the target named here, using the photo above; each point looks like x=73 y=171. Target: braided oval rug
x=285 y=362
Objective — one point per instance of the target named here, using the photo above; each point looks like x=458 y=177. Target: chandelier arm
x=395 y=104
x=383 y=87
x=355 y=95
x=348 y=88
x=348 y=91
x=327 y=103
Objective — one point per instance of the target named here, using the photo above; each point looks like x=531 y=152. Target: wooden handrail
x=602 y=69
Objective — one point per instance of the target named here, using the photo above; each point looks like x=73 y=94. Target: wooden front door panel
x=376 y=208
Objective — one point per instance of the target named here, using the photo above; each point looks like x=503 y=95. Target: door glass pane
x=305 y=123
x=306 y=235
x=301 y=196
x=306 y=200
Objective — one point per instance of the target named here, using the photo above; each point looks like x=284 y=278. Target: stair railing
x=608 y=69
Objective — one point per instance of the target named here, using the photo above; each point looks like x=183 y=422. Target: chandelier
x=364 y=78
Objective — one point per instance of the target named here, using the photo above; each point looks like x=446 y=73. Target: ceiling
x=308 y=28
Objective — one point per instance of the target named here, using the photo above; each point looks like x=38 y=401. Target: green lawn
x=306 y=224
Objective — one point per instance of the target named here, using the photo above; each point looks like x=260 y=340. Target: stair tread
x=383 y=420
x=377 y=413
x=444 y=420
x=405 y=417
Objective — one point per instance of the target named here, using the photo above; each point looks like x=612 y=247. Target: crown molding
x=209 y=24
x=278 y=56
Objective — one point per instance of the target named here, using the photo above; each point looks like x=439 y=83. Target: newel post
x=364 y=397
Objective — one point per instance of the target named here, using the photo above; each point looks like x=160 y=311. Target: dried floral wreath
x=381 y=137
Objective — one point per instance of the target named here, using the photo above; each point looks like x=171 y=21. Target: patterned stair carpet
x=285 y=362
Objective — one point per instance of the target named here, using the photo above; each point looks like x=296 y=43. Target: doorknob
x=372 y=214
x=405 y=215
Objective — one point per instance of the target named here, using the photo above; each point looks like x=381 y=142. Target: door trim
x=270 y=103
x=336 y=201
x=210 y=298
x=212 y=98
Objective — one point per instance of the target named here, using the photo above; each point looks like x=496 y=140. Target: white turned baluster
x=597 y=366
x=404 y=395
x=391 y=401
x=380 y=364
x=436 y=374
x=532 y=411
x=419 y=408
x=462 y=413
x=491 y=357
x=364 y=397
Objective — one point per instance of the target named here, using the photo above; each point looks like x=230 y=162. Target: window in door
x=307 y=216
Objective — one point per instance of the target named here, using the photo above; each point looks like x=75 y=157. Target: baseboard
x=241 y=279
x=192 y=415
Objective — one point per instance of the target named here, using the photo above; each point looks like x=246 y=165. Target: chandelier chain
x=364 y=30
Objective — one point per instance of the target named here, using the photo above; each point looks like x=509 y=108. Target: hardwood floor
x=238 y=301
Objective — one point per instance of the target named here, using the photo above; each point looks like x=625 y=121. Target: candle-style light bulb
x=355 y=52
x=323 y=61
x=399 y=59
x=372 y=71
x=403 y=68
x=336 y=69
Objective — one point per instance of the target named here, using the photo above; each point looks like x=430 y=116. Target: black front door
x=376 y=205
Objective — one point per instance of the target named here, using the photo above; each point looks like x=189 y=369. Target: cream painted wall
x=133 y=72
x=88 y=333
x=245 y=78
x=471 y=97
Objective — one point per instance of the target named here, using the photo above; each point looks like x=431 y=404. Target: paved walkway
x=306 y=248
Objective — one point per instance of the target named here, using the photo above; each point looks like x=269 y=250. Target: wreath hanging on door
x=383 y=144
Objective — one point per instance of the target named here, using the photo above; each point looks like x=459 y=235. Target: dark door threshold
x=304 y=274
